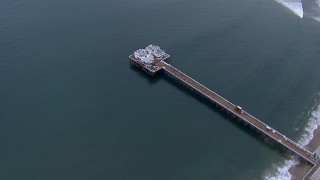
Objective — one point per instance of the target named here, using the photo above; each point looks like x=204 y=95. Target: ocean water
x=73 y=108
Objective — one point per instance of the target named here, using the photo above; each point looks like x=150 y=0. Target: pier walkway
x=153 y=60
x=231 y=108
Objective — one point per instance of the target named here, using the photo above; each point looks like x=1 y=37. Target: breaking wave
x=316 y=11
x=300 y=8
x=313 y=123
x=281 y=170
x=293 y=5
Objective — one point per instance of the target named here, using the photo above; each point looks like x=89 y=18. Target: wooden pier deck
x=244 y=116
x=153 y=61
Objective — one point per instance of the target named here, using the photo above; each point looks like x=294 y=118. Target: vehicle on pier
x=239 y=109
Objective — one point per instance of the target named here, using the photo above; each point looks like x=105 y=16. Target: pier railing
x=231 y=108
x=245 y=116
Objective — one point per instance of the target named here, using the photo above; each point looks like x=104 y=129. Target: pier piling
x=157 y=61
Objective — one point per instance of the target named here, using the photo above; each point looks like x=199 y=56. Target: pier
x=159 y=63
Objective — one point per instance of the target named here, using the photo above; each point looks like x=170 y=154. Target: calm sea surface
x=71 y=107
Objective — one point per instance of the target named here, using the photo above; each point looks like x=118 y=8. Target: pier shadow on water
x=260 y=137
x=150 y=79
x=246 y=128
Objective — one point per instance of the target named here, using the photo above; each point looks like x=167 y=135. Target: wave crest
x=293 y=5
x=281 y=170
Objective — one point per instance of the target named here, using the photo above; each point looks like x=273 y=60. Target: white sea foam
x=293 y=5
x=296 y=6
x=313 y=123
x=316 y=9
x=317 y=18
x=281 y=170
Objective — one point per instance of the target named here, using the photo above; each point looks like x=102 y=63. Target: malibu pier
x=153 y=60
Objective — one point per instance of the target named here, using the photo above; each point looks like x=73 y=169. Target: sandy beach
x=299 y=170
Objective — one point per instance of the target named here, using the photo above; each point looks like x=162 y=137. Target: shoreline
x=299 y=170
x=293 y=168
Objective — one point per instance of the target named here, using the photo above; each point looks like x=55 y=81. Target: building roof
x=149 y=54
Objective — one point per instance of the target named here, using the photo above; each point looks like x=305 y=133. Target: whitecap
x=315 y=14
x=281 y=170
x=313 y=123
x=293 y=5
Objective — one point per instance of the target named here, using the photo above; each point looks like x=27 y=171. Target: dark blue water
x=73 y=108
